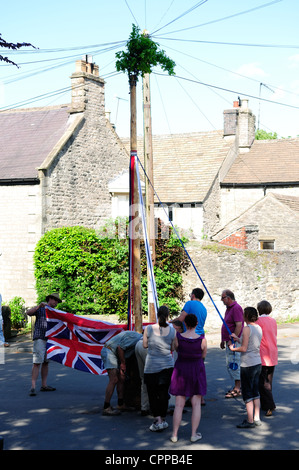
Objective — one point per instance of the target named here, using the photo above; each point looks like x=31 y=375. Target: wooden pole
x=149 y=182
x=135 y=221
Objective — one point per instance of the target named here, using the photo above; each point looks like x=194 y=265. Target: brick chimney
x=240 y=122
x=87 y=88
x=230 y=121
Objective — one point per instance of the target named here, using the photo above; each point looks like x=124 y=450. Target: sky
x=223 y=49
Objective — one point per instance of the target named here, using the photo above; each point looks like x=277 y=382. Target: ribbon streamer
x=134 y=169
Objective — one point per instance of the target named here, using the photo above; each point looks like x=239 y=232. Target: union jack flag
x=77 y=341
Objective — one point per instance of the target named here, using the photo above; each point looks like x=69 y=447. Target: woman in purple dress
x=189 y=376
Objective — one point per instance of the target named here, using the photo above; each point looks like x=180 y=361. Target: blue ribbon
x=134 y=165
x=146 y=242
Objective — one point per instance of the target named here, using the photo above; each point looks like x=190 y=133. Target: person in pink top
x=269 y=355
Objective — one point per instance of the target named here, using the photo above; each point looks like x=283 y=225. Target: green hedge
x=90 y=270
x=17 y=309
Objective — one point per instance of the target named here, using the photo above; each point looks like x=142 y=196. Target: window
x=267 y=244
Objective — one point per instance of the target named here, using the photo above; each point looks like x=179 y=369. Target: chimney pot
x=85 y=81
x=244 y=104
x=87 y=66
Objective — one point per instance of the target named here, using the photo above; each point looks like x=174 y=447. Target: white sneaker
x=158 y=426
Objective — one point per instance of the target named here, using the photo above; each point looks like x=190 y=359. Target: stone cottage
x=257 y=190
x=55 y=167
x=227 y=186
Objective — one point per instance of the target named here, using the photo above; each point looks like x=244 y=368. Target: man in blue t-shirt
x=195 y=306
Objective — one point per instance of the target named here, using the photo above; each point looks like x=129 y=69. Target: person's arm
x=236 y=338
x=144 y=340
x=181 y=317
x=174 y=344
x=204 y=347
x=33 y=310
x=121 y=355
x=245 y=340
x=238 y=328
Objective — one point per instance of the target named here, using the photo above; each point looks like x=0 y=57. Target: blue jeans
x=233 y=357
x=250 y=377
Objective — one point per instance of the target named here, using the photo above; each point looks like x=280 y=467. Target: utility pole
x=141 y=55
x=135 y=219
x=149 y=191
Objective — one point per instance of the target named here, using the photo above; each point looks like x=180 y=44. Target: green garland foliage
x=90 y=269
x=142 y=55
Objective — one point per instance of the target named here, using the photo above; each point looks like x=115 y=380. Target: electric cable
x=230 y=91
x=222 y=19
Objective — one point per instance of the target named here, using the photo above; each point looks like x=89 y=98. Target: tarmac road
x=70 y=418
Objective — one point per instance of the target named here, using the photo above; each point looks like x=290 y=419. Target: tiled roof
x=268 y=161
x=291 y=201
x=27 y=136
x=185 y=165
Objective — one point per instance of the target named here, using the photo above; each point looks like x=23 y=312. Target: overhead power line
x=220 y=19
x=232 y=71
x=64 y=90
x=65 y=61
x=282 y=46
x=132 y=14
x=230 y=91
x=183 y=14
x=36 y=98
x=67 y=49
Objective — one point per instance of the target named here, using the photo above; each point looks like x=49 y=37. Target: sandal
x=47 y=389
x=233 y=394
x=110 y=412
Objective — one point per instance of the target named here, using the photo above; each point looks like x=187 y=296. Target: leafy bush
x=17 y=308
x=90 y=270
x=264 y=135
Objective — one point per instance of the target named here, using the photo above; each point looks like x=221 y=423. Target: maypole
x=134 y=222
x=141 y=55
x=149 y=183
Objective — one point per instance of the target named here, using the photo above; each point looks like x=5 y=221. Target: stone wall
x=251 y=275
x=20 y=230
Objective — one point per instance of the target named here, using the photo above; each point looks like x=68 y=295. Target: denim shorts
x=250 y=382
x=110 y=360
x=236 y=358
x=40 y=351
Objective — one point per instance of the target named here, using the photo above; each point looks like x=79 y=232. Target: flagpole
x=134 y=229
